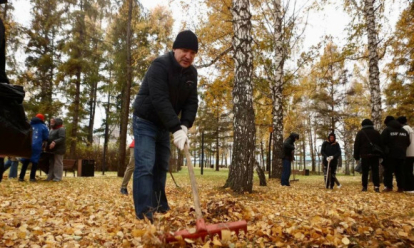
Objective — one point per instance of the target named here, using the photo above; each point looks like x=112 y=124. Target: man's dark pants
x=287 y=169
x=366 y=164
x=394 y=166
x=408 y=174
x=152 y=155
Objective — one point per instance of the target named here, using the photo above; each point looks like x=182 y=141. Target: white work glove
x=185 y=129
x=180 y=138
x=328 y=159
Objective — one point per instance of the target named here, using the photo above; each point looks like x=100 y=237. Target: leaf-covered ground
x=90 y=212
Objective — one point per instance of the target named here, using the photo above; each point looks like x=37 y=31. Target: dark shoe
x=376 y=189
x=162 y=211
x=124 y=191
x=146 y=218
x=387 y=189
x=400 y=190
x=364 y=189
x=33 y=180
x=21 y=180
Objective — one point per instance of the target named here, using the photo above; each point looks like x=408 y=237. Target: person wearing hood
x=395 y=140
x=288 y=157
x=409 y=160
x=40 y=134
x=363 y=151
x=331 y=152
x=57 y=146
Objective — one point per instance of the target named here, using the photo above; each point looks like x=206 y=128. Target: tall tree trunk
x=75 y=121
x=311 y=145
x=106 y=134
x=217 y=144
x=126 y=99
x=92 y=109
x=277 y=93
x=241 y=177
x=374 y=82
x=76 y=111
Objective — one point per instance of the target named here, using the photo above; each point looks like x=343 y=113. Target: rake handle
x=193 y=183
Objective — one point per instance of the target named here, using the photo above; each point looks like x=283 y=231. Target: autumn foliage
x=90 y=212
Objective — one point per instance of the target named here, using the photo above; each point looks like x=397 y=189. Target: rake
x=202 y=230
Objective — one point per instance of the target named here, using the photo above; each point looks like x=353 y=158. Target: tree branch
x=217 y=58
x=356 y=5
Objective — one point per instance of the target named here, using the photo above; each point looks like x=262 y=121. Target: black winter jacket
x=289 y=147
x=395 y=140
x=362 y=147
x=331 y=149
x=166 y=91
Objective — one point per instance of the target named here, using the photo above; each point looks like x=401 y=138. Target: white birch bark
x=277 y=92
x=241 y=172
x=374 y=81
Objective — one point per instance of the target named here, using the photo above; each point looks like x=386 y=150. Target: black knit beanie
x=402 y=120
x=367 y=122
x=3 y=1
x=388 y=119
x=186 y=39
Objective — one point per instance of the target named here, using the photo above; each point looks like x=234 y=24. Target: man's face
x=331 y=138
x=52 y=122
x=184 y=57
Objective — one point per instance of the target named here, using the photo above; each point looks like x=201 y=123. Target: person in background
x=362 y=151
x=1 y=167
x=57 y=146
x=331 y=151
x=395 y=140
x=40 y=134
x=288 y=157
x=129 y=169
x=409 y=160
x=12 y=163
x=167 y=102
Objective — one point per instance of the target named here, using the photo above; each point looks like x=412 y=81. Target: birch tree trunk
x=277 y=96
x=374 y=82
x=311 y=144
x=240 y=177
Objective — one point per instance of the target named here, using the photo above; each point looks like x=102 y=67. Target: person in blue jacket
x=40 y=135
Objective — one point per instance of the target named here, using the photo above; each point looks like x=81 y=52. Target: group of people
x=52 y=141
x=396 y=155
x=331 y=152
x=393 y=149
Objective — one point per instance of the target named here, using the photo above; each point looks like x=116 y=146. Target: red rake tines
x=203 y=230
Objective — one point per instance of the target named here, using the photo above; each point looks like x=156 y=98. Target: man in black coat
x=288 y=157
x=363 y=151
x=166 y=103
x=395 y=140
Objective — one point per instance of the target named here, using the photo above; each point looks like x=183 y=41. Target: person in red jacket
x=129 y=169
